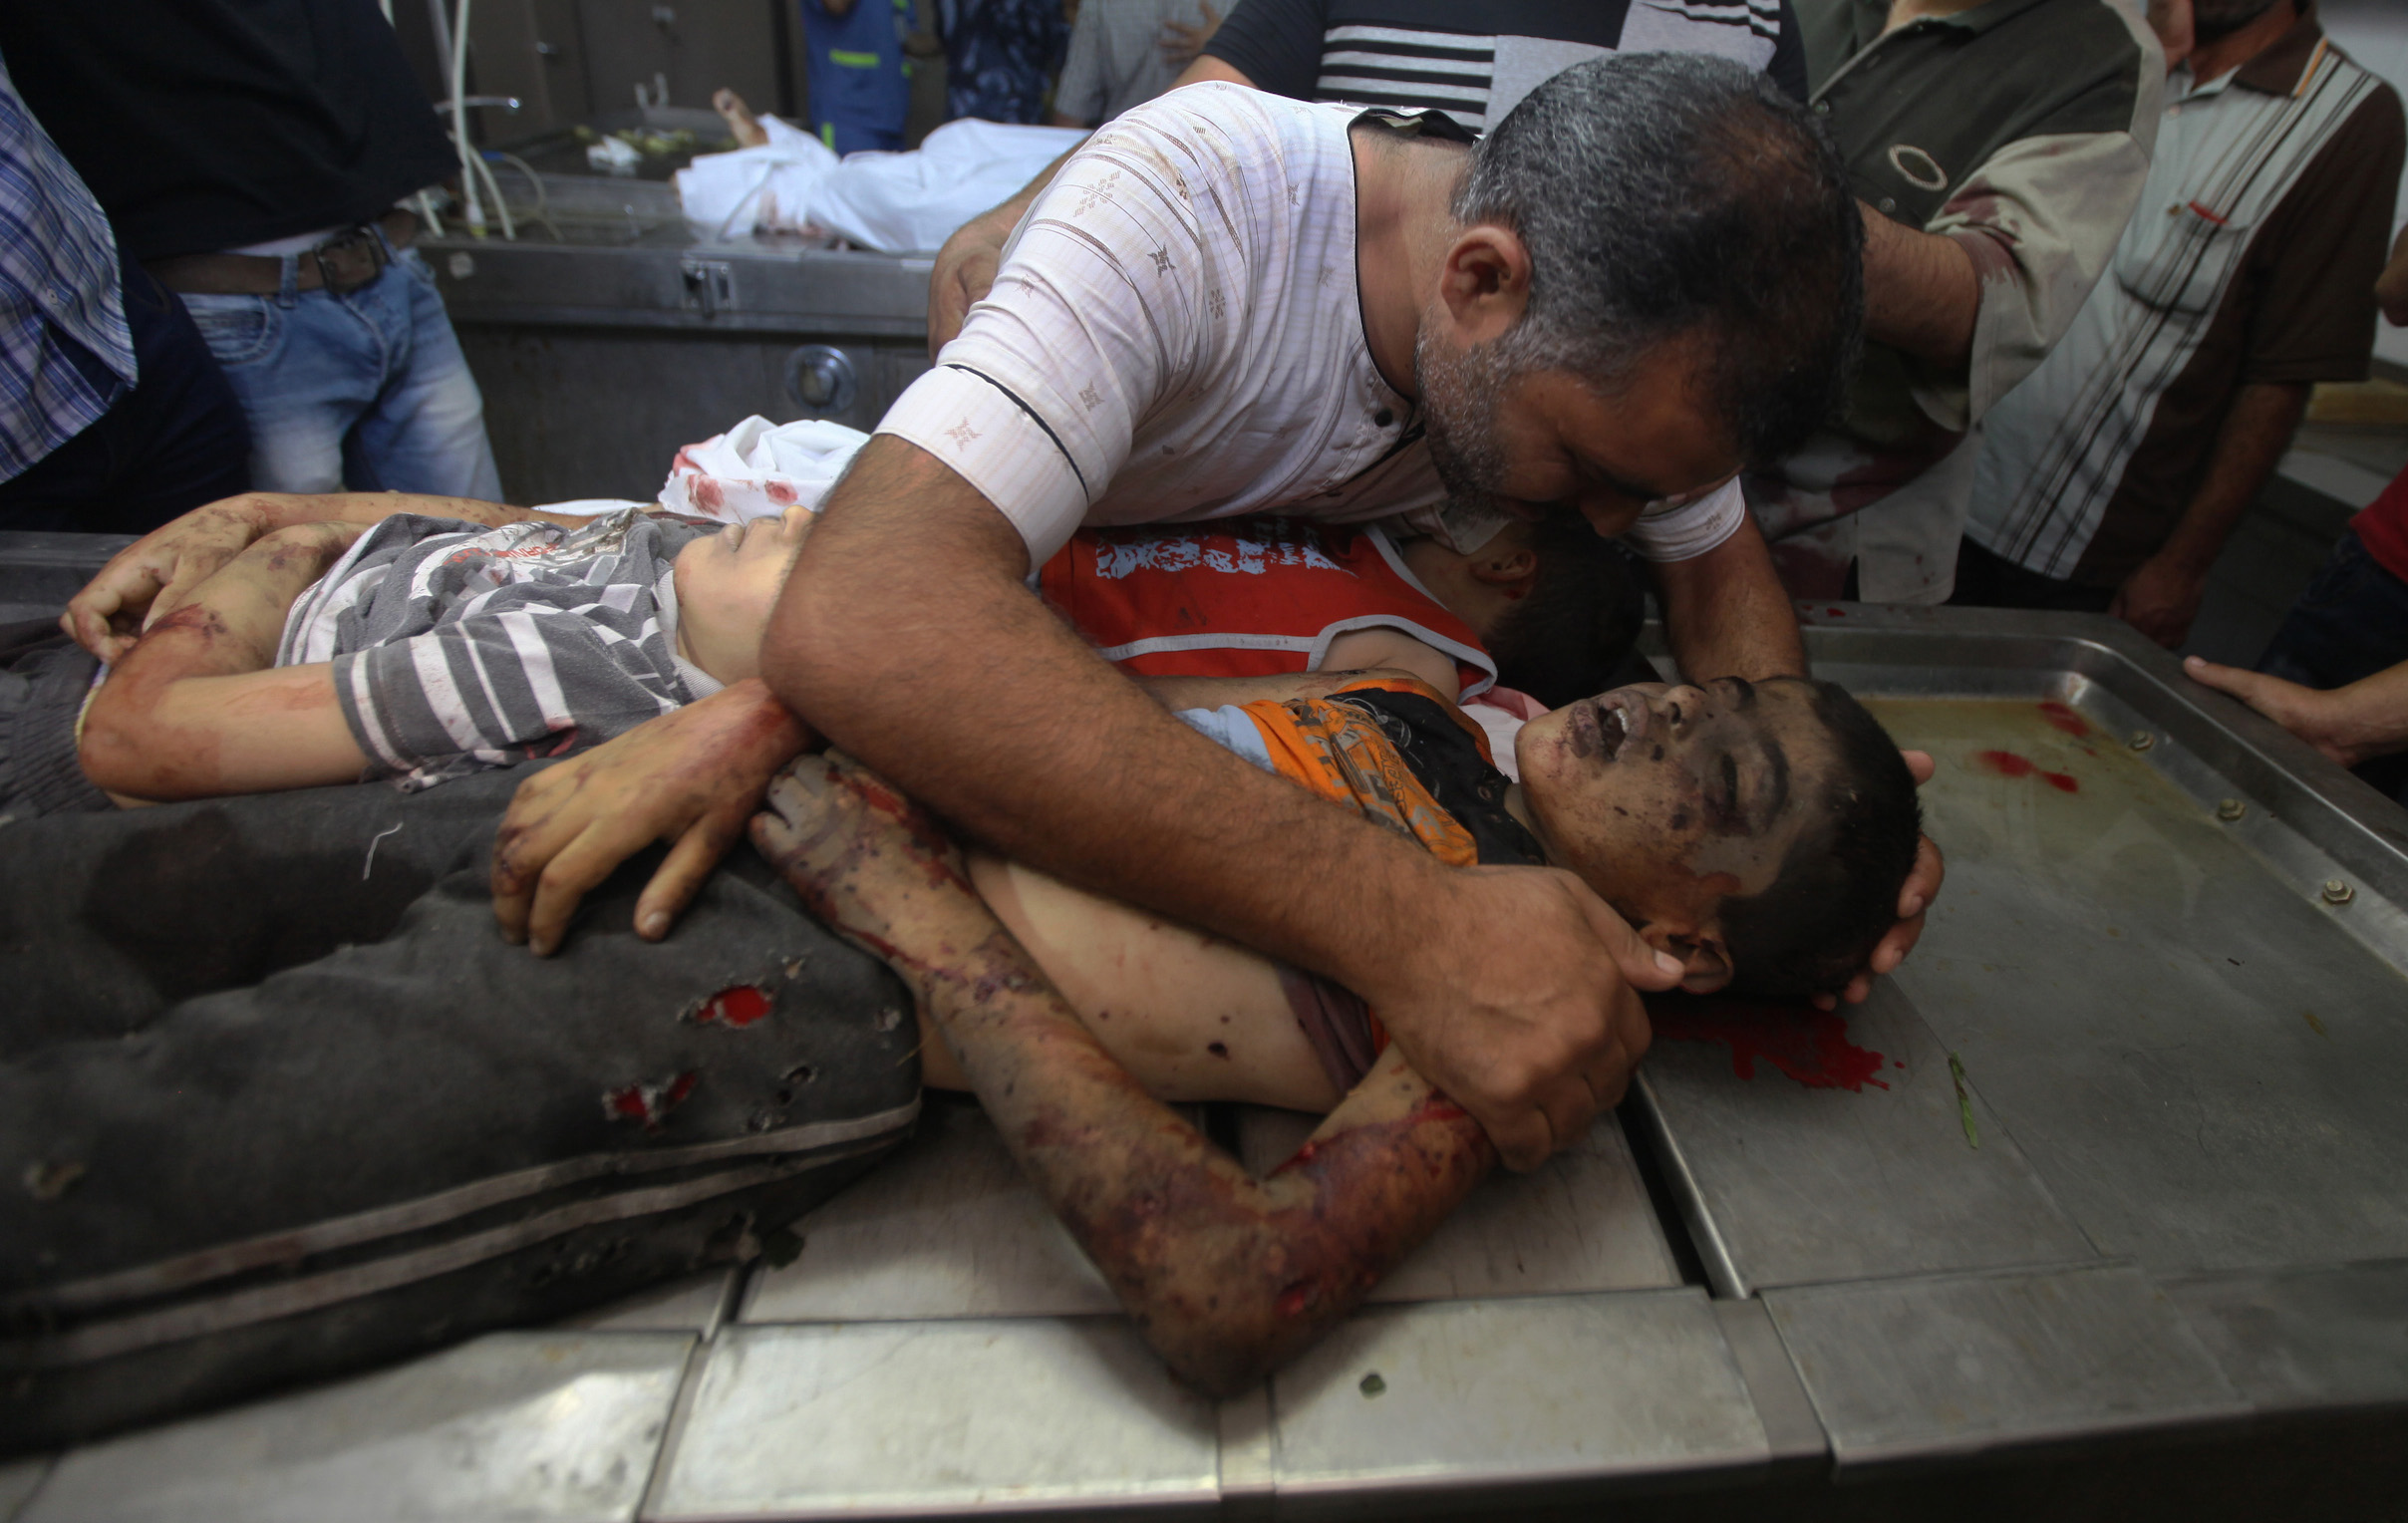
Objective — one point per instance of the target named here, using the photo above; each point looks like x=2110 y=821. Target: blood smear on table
x=1810 y=1046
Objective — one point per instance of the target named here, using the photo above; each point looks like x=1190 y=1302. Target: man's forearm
x=1922 y=294
x=959 y=686
x=1728 y=615
x=2256 y=430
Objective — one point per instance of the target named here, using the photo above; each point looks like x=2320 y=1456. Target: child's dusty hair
x=1837 y=893
x=1565 y=640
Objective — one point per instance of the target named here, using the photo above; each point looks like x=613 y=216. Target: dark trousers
x=277 y=1100
x=1984 y=580
x=175 y=441
x=2350 y=623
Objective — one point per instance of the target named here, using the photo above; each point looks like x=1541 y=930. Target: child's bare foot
x=750 y=134
x=870 y=863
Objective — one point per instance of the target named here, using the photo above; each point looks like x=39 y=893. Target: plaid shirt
x=59 y=290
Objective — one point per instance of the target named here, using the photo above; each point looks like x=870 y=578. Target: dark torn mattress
x=277 y=1101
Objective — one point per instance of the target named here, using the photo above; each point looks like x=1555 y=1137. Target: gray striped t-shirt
x=458 y=648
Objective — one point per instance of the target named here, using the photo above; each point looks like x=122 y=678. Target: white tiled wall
x=2375 y=33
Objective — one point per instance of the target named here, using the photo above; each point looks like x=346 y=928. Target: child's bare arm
x=152 y=577
x=1226 y=1275
x=195 y=708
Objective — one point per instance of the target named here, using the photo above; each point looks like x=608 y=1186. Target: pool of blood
x=1808 y=1044
x=2008 y=764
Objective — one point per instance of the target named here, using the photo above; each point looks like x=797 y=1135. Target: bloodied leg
x=1227 y=1275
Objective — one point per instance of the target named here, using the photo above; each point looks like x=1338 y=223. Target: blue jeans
x=2351 y=621
x=367 y=389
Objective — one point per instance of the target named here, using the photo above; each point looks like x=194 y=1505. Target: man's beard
x=2210 y=19
x=1459 y=399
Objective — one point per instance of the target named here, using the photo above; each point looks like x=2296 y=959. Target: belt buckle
x=351 y=262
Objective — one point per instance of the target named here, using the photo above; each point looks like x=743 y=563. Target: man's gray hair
x=1663 y=194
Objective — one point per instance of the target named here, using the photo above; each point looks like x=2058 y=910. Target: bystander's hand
x=2160 y=599
x=1516 y=992
x=1180 y=43
x=2349 y=724
x=1914 y=898
x=2172 y=22
x=692 y=779
x=2391 y=287
x=964 y=273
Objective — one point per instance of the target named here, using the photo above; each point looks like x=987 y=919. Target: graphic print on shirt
x=1253 y=597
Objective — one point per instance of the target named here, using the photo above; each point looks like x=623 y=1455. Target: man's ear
x=1512 y=568
x=1484 y=282
x=1705 y=959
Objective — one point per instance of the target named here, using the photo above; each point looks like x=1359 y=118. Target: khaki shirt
x=2021 y=128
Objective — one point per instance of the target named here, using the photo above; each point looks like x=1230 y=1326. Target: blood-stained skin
x=1226 y=1275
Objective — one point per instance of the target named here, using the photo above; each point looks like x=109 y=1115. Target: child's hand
x=157 y=574
x=692 y=779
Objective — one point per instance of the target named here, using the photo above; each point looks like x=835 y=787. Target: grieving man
x=1644 y=278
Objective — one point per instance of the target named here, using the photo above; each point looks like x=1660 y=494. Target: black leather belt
x=342 y=264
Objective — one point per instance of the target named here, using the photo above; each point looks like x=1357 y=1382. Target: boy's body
x=421 y=648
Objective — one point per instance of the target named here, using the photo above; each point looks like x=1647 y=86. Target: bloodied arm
x=151 y=578
x=197 y=707
x=1226 y=1275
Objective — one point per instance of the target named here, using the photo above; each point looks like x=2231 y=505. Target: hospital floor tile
x=935 y=1418
x=561 y=1427
x=947 y=1227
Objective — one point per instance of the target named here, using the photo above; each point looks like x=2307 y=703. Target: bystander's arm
x=2352 y=723
x=2391 y=287
x=1922 y=293
x=2161 y=597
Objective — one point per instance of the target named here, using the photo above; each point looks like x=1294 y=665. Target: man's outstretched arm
x=1726 y=613
x=906 y=635
x=1226 y=1275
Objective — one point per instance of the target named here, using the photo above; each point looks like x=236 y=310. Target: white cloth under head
x=759 y=469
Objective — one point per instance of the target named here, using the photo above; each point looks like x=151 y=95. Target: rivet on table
x=2338 y=892
x=2141 y=740
x=2231 y=808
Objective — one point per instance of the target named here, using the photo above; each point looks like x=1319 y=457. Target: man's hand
x=965 y=271
x=2391 y=287
x=1520 y=1002
x=2160 y=599
x=1914 y=897
x=157 y=574
x=692 y=779
x=2349 y=724
x=1180 y=43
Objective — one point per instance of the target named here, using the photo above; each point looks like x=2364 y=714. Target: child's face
x=727 y=584
x=1667 y=801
